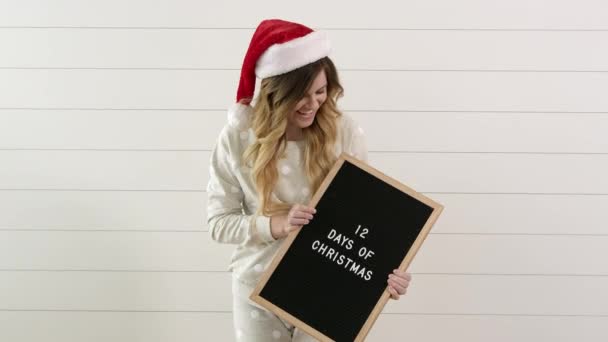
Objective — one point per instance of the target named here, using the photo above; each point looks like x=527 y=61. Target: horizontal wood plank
x=197 y=252
x=224 y=49
x=434 y=14
x=428 y=294
x=49 y=210
x=194 y=327
x=365 y=90
x=424 y=172
x=385 y=131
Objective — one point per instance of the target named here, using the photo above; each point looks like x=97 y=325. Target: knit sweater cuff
x=262 y=226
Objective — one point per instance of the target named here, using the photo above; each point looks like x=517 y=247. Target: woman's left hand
x=398 y=282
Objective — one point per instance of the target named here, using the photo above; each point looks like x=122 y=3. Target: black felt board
x=337 y=299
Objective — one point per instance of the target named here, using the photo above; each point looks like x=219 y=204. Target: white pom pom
x=239 y=115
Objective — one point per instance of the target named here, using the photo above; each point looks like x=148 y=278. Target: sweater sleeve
x=356 y=141
x=225 y=217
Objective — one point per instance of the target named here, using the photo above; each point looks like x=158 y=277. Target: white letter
x=331 y=234
x=362 y=251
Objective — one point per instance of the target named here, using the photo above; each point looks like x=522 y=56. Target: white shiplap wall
x=108 y=111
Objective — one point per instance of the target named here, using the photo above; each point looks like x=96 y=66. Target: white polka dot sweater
x=232 y=199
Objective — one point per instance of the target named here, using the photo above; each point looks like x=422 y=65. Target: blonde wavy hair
x=277 y=98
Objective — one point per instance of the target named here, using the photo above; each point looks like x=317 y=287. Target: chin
x=306 y=123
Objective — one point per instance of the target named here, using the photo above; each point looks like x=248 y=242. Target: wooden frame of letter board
x=437 y=209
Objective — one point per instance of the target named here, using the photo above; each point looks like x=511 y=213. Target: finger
x=290 y=229
x=400 y=288
x=403 y=274
x=305 y=209
x=393 y=292
x=298 y=222
x=302 y=214
x=399 y=280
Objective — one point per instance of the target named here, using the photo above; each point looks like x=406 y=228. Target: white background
x=109 y=109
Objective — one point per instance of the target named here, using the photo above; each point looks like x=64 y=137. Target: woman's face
x=306 y=109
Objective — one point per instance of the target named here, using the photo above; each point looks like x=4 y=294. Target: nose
x=310 y=103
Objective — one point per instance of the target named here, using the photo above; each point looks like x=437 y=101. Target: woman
x=272 y=157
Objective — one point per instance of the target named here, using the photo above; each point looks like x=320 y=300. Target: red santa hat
x=277 y=47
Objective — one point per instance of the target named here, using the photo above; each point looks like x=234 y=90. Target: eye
x=321 y=91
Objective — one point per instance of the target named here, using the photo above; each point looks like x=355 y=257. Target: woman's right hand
x=298 y=216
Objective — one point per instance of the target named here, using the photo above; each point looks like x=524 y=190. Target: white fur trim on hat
x=239 y=115
x=281 y=58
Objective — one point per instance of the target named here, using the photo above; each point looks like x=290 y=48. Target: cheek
x=321 y=100
x=299 y=106
x=293 y=117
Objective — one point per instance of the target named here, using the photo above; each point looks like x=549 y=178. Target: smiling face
x=306 y=109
